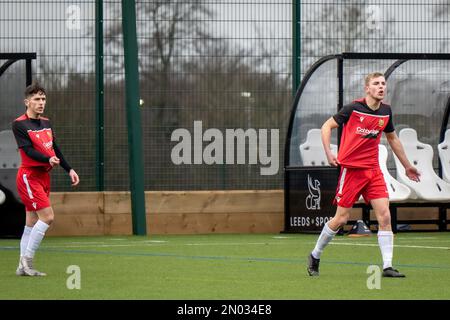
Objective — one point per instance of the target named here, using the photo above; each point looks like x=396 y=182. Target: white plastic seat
x=430 y=187
x=397 y=191
x=444 y=156
x=9 y=154
x=312 y=152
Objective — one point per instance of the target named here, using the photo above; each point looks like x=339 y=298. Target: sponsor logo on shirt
x=366 y=133
x=363 y=131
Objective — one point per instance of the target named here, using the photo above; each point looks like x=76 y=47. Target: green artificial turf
x=261 y=266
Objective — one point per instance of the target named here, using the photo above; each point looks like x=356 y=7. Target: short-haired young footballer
x=363 y=122
x=39 y=154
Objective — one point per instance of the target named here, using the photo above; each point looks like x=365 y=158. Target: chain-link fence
x=329 y=27
x=207 y=69
x=59 y=32
x=417 y=90
x=218 y=65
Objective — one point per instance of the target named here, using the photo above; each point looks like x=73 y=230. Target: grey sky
x=48 y=27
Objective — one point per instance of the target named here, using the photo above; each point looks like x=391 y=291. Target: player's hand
x=332 y=160
x=74 y=177
x=54 y=161
x=413 y=174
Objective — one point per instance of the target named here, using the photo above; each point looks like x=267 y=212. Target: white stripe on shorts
x=30 y=194
x=341 y=181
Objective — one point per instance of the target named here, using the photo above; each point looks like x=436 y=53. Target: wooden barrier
x=77 y=213
x=193 y=212
x=182 y=212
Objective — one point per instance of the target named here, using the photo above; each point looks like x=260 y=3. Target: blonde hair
x=372 y=75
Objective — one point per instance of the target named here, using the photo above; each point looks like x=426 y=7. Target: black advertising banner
x=309 y=198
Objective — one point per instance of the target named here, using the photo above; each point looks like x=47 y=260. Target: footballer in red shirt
x=363 y=121
x=39 y=154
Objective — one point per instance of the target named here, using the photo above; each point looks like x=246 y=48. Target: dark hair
x=34 y=88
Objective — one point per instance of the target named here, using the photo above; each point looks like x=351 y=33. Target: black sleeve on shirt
x=62 y=162
x=34 y=154
x=390 y=126
x=21 y=135
x=343 y=115
x=24 y=142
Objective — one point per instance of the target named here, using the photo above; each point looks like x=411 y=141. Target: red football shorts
x=34 y=188
x=356 y=182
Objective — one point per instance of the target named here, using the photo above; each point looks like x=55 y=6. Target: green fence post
x=296 y=44
x=136 y=165
x=99 y=98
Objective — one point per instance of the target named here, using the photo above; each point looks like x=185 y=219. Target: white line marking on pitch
x=100 y=245
x=226 y=244
x=165 y=243
x=417 y=238
x=395 y=245
x=146 y=243
x=105 y=245
x=86 y=242
x=400 y=239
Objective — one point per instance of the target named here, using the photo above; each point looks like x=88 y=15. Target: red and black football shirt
x=36 y=143
x=361 y=133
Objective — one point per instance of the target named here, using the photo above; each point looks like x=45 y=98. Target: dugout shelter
x=15 y=75
x=418 y=91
